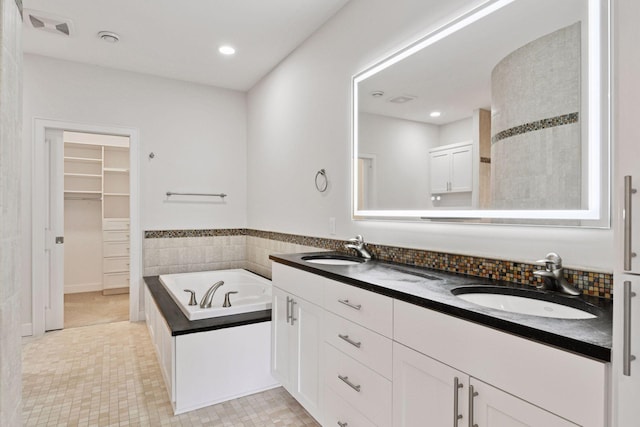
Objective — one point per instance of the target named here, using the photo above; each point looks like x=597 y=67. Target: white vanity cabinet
x=296 y=335
x=357 y=355
x=519 y=376
x=451 y=168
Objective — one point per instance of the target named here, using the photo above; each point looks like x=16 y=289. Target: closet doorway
x=96 y=228
x=86 y=234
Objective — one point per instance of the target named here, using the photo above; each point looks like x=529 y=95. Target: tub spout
x=205 y=302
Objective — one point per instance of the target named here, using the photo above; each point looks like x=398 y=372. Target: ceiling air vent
x=47 y=22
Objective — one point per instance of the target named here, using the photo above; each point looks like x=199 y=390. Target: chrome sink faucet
x=206 y=300
x=553 y=276
x=358 y=244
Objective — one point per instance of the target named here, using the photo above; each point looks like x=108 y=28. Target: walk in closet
x=96 y=213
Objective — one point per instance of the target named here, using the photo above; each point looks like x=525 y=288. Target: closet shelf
x=117 y=194
x=83 y=159
x=116 y=170
x=84 y=175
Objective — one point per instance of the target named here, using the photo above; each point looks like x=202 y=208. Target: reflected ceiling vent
x=402 y=99
x=46 y=22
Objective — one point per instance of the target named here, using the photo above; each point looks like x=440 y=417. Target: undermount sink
x=522 y=301
x=332 y=259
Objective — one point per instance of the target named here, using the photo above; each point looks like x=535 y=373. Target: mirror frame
x=597 y=215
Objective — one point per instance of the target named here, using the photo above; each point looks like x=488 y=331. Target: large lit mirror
x=500 y=116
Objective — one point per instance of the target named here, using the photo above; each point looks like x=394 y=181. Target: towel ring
x=322 y=185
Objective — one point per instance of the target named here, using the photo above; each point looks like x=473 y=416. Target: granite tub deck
x=180 y=325
x=432 y=289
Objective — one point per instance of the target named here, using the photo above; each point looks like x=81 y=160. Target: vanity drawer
x=338 y=412
x=115 y=236
x=115 y=265
x=367 y=347
x=305 y=285
x=111 y=249
x=115 y=224
x=115 y=280
x=362 y=388
x=371 y=310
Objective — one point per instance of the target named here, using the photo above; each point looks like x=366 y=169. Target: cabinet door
x=424 y=392
x=461 y=169
x=626 y=394
x=439 y=171
x=307 y=322
x=281 y=338
x=495 y=408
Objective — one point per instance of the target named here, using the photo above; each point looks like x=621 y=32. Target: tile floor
x=108 y=375
x=93 y=308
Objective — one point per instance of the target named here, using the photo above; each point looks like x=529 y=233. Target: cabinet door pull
x=345 y=379
x=350 y=341
x=341 y=424
x=456 y=415
x=289 y=309
x=472 y=395
x=293 y=319
x=627 y=357
x=628 y=192
x=348 y=304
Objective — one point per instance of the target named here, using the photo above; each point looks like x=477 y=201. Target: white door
x=307 y=323
x=439 y=167
x=54 y=230
x=495 y=408
x=281 y=333
x=427 y=392
x=461 y=169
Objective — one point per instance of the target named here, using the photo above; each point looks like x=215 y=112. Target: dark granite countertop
x=432 y=289
x=180 y=325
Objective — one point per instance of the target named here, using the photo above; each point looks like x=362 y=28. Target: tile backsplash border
x=591 y=283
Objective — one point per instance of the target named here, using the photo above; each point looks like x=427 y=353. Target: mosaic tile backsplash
x=251 y=250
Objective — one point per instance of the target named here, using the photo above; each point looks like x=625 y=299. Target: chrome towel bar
x=171 y=193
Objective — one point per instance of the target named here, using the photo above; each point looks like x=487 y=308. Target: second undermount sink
x=333 y=259
x=524 y=301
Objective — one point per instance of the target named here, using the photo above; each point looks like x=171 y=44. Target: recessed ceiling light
x=435 y=114
x=108 y=36
x=226 y=50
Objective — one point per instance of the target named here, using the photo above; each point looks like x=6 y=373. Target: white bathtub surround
x=205 y=368
x=251 y=292
x=11 y=215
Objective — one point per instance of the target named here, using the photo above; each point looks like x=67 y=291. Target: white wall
x=458 y=131
x=401 y=148
x=197 y=132
x=299 y=121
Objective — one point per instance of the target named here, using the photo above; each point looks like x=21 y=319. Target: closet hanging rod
x=221 y=195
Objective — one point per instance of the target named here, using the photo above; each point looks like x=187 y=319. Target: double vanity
x=379 y=344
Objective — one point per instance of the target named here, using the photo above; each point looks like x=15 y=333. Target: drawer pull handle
x=345 y=379
x=341 y=424
x=350 y=341
x=348 y=304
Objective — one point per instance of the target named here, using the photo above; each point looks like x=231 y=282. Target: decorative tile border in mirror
x=591 y=283
x=564 y=119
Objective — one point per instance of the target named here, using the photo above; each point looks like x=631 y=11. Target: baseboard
x=27 y=329
x=82 y=287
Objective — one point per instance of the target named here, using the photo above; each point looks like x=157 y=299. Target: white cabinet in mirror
x=523 y=83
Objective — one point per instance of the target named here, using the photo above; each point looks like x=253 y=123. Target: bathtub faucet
x=208 y=296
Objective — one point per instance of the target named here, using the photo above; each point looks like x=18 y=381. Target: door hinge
x=59 y=240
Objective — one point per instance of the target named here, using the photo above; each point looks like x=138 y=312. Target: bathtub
x=254 y=292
